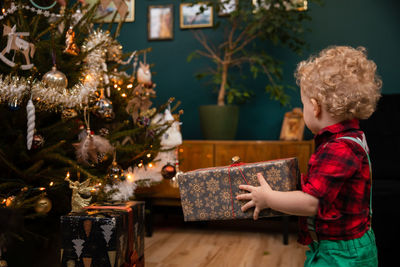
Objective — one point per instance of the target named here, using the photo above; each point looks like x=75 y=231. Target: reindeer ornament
x=16 y=43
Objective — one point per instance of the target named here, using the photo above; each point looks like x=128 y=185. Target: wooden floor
x=176 y=246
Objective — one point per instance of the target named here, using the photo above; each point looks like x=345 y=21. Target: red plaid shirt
x=338 y=175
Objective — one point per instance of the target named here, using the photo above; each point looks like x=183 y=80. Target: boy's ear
x=316 y=107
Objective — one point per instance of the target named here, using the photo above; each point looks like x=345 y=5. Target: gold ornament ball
x=55 y=78
x=3 y=263
x=43 y=205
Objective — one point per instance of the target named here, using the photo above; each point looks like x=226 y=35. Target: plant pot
x=219 y=122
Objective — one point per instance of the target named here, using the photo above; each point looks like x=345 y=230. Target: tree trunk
x=224 y=79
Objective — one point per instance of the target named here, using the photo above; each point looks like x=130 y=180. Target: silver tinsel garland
x=14 y=89
x=95 y=67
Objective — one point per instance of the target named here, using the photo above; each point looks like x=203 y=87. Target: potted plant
x=249 y=29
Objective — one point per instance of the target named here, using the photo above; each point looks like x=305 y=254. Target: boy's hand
x=257 y=196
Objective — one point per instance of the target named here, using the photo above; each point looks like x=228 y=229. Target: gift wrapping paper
x=103 y=235
x=210 y=193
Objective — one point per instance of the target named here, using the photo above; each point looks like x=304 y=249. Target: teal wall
x=370 y=23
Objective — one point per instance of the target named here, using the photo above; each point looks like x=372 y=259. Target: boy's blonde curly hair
x=343 y=80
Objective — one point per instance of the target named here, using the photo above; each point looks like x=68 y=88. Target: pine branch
x=48 y=150
x=11 y=166
x=68 y=161
x=34 y=168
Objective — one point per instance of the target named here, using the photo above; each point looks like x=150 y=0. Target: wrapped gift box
x=210 y=194
x=107 y=235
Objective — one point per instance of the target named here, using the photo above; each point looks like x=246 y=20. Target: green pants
x=360 y=252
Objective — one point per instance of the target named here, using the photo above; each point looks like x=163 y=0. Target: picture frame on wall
x=299 y=5
x=160 y=22
x=293 y=126
x=192 y=17
x=227 y=7
x=107 y=9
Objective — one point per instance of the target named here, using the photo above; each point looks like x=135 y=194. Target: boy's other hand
x=257 y=195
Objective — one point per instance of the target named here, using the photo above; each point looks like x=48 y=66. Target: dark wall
x=370 y=23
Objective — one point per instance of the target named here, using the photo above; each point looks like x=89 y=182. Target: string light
x=42 y=188
x=129 y=177
x=150 y=165
x=123 y=95
x=51 y=183
x=129 y=86
x=148 y=155
x=140 y=165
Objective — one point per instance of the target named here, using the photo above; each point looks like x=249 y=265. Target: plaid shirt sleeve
x=329 y=168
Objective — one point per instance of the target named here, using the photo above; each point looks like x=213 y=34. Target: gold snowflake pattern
x=225 y=212
x=187 y=207
x=197 y=187
x=212 y=201
x=213 y=185
x=213 y=215
x=273 y=176
x=203 y=214
x=226 y=196
x=198 y=203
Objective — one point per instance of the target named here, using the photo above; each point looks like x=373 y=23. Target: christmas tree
x=71 y=115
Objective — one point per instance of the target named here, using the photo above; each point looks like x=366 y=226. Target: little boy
x=338 y=87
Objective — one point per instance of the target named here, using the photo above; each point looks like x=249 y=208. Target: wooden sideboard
x=196 y=154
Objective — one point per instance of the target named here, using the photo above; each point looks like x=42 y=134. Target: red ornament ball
x=168 y=171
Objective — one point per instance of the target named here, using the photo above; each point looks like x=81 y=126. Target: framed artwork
x=192 y=17
x=299 y=5
x=293 y=126
x=227 y=7
x=160 y=24
x=107 y=8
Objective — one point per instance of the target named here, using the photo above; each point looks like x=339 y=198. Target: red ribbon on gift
x=132 y=257
x=230 y=181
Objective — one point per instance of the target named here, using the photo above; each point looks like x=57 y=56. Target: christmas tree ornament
x=172 y=137
x=38 y=141
x=68 y=114
x=45 y=7
x=30 y=110
x=91 y=147
x=114 y=52
x=43 y=205
x=13 y=105
x=114 y=173
x=144 y=75
x=168 y=171
x=104 y=132
x=82 y=134
x=81 y=193
x=16 y=44
x=143 y=121
x=56 y=79
x=3 y=263
x=140 y=101
x=174 y=181
x=103 y=107
x=70 y=46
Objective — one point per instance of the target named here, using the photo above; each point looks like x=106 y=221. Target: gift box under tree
x=108 y=235
x=210 y=193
